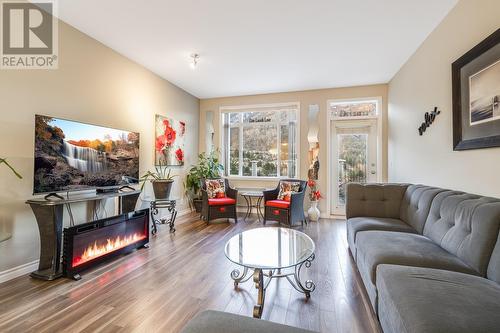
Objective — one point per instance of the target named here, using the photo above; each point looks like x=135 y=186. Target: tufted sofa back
x=493 y=272
x=374 y=200
x=416 y=204
x=465 y=225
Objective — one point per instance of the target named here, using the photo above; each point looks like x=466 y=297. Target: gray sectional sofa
x=429 y=257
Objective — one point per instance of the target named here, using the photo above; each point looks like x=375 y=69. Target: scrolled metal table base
x=240 y=277
x=262 y=279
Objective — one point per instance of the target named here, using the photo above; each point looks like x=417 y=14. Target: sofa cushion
x=465 y=225
x=357 y=224
x=416 y=204
x=375 y=200
x=381 y=247
x=278 y=203
x=221 y=201
x=222 y=322
x=493 y=272
x=413 y=299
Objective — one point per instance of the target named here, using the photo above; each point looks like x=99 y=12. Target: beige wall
x=424 y=82
x=305 y=98
x=93 y=84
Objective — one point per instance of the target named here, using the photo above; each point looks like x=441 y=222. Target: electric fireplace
x=89 y=244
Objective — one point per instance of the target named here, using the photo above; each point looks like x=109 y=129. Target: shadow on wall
x=16 y=219
x=9 y=195
x=6 y=225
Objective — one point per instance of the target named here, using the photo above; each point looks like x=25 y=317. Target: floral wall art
x=169 y=141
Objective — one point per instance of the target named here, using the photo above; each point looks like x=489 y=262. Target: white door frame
x=330 y=119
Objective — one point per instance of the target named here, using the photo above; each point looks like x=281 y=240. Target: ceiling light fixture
x=194 y=60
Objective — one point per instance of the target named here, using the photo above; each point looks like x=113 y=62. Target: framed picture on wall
x=169 y=141
x=476 y=96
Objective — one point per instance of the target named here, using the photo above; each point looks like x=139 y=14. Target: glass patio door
x=354 y=149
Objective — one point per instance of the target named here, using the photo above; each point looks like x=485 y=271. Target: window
x=354 y=109
x=260 y=141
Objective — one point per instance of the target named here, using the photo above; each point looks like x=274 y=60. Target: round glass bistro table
x=253 y=200
x=271 y=253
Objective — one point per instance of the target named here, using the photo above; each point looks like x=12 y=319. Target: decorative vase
x=162 y=188
x=313 y=211
x=167 y=155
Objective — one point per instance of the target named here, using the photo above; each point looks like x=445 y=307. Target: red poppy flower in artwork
x=311 y=183
x=166 y=123
x=179 y=154
x=183 y=127
x=161 y=142
x=170 y=135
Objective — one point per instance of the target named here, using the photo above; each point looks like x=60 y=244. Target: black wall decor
x=428 y=120
x=476 y=96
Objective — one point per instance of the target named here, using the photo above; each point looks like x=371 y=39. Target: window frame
x=259 y=108
x=376 y=100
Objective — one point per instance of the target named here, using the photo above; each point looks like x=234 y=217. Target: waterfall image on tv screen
x=72 y=156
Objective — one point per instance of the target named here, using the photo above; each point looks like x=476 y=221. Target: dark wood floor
x=159 y=289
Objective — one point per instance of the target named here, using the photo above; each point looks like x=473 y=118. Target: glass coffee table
x=271 y=253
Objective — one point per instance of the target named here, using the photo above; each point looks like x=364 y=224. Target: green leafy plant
x=208 y=166
x=161 y=173
x=4 y=161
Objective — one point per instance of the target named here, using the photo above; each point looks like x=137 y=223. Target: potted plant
x=161 y=179
x=314 y=196
x=208 y=166
x=4 y=161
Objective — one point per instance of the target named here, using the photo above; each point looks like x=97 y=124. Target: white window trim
x=248 y=108
x=380 y=146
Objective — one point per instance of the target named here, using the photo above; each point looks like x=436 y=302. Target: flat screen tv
x=72 y=156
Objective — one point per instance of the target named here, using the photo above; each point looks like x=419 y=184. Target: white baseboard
x=24 y=269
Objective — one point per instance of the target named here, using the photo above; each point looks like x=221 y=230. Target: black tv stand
x=49 y=217
x=55 y=195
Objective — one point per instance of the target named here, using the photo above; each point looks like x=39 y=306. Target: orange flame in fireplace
x=95 y=250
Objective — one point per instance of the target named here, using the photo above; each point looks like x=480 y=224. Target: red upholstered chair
x=218 y=208
x=283 y=211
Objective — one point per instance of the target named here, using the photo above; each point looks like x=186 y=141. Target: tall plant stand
x=155 y=206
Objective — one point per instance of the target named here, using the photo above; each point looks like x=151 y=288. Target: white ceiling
x=261 y=46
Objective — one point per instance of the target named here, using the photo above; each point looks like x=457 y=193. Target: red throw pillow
x=220 y=195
